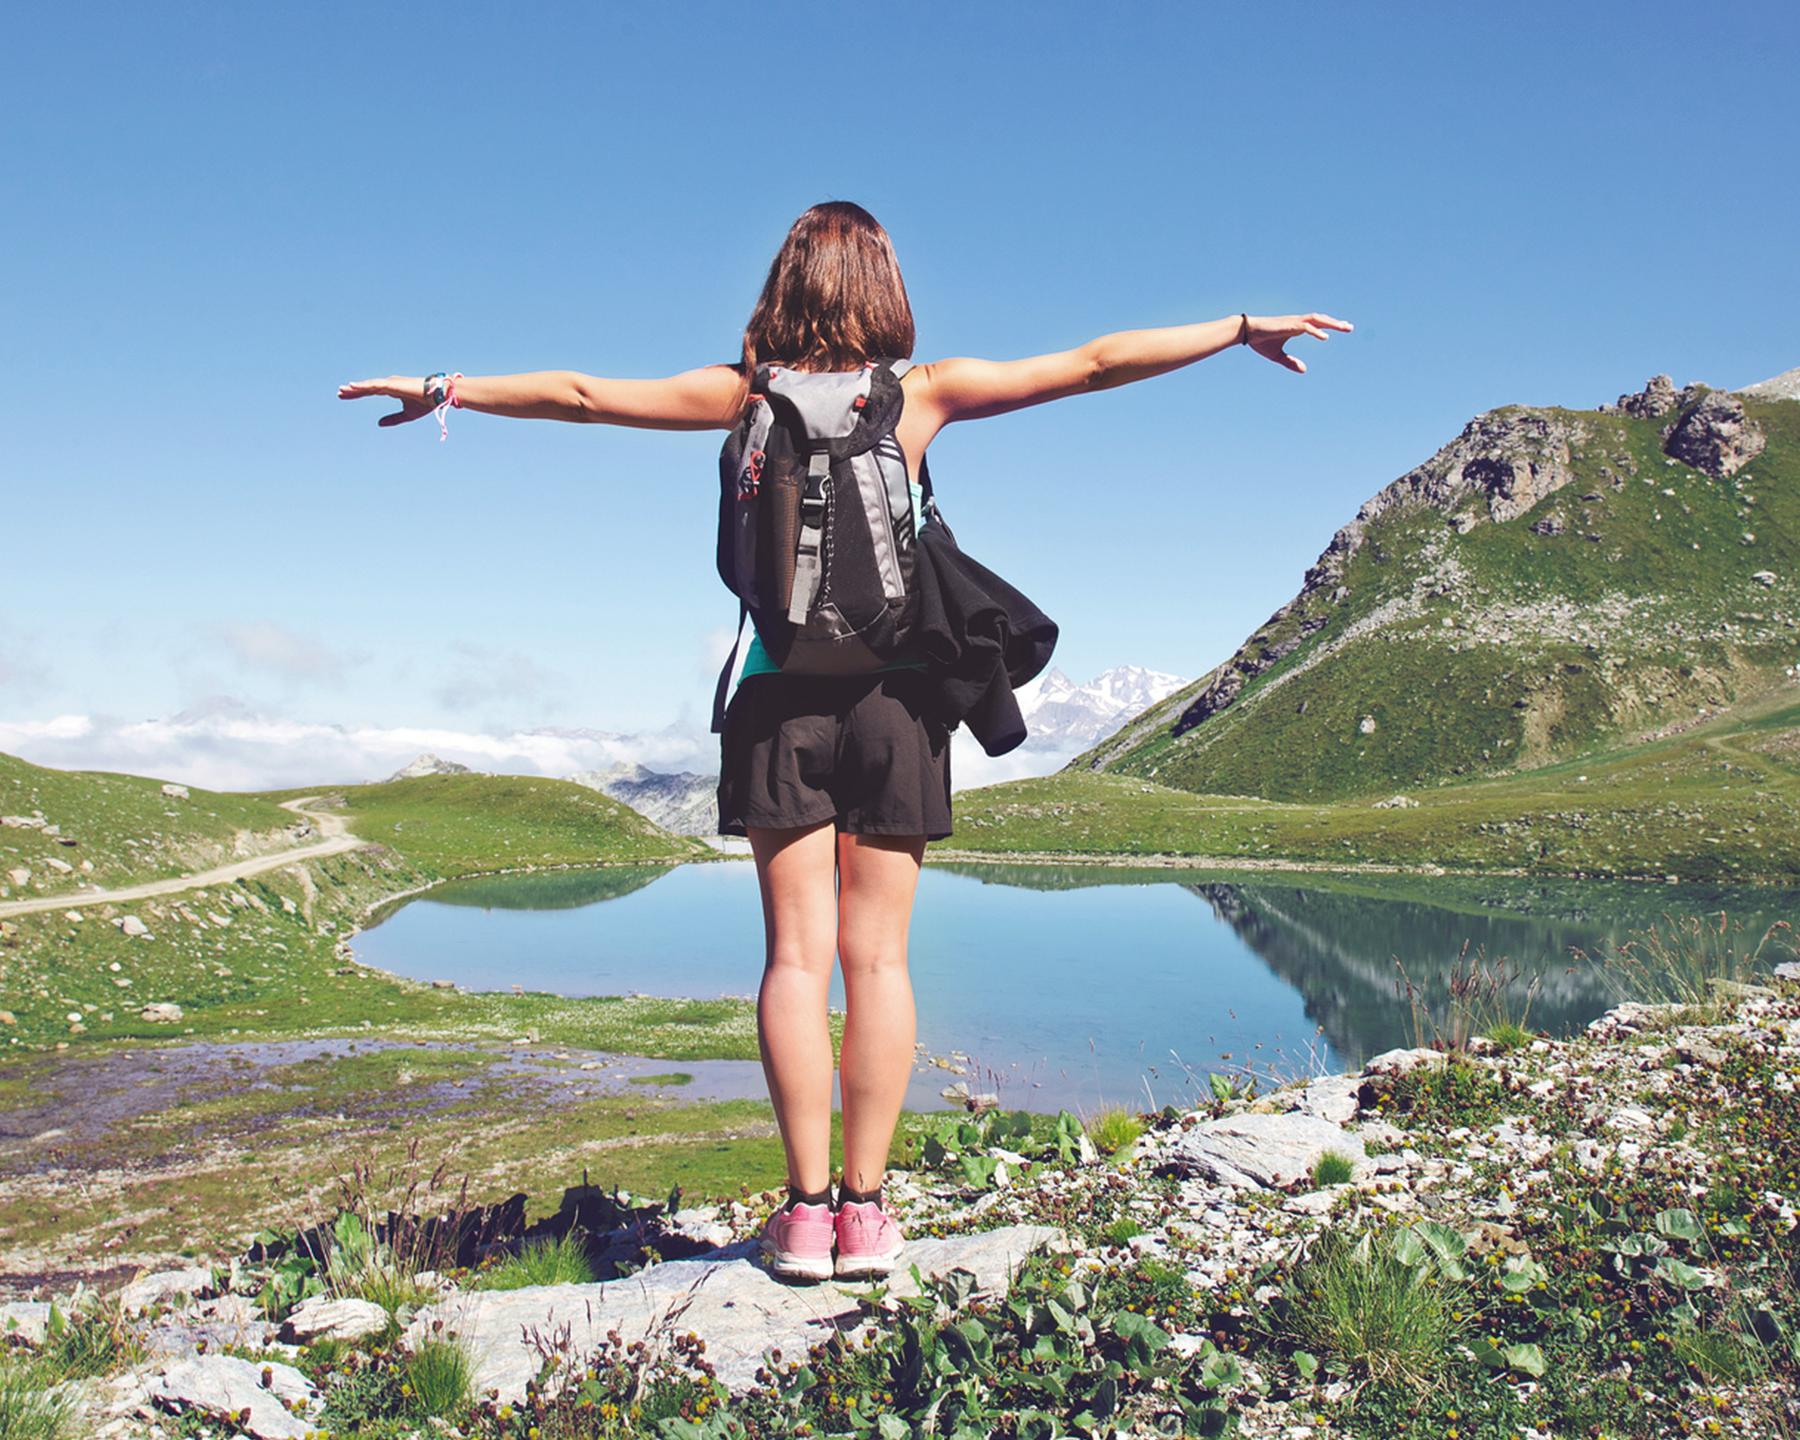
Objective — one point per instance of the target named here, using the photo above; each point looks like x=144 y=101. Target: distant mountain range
x=1059 y=713
x=1061 y=716
x=685 y=802
x=1551 y=581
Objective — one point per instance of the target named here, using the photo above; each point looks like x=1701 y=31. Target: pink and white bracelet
x=449 y=399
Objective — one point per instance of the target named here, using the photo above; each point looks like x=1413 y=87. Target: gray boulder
x=727 y=1298
x=165 y=1285
x=322 y=1318
x=25 y=1322
x=229 y=1389
x=1261 y=1152
x=1715 y=436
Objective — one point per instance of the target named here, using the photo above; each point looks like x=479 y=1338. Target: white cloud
x=221 y=744
x=483 y=674
x=264 y=645
x=971 y=766
x=22 y=672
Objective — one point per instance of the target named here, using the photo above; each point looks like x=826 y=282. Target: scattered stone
x=324 y=1319
x=1765 y=577
x=443 y=984
x=25 y=1322
x=1551 y=524
x=1788 y=970
x=1397 y=802
x=132 y=926
x=164 y=1285
x=739 y=1307
x=1398 y=1062
x=19 y=875
x=257 y=1395
x=175 y=792
x=163 y=1012
x=22 y=822
x=1366 y=725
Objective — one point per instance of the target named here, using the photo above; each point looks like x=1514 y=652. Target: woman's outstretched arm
x=706 y=398
x=968 y=389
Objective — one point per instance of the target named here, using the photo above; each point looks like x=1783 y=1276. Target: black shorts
x=863 y=749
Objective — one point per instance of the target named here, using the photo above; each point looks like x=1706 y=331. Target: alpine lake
x=1081 y=986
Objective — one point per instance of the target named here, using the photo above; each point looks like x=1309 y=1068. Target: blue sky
x=217 y=213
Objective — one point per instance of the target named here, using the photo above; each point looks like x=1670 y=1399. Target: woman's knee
x=863 y=951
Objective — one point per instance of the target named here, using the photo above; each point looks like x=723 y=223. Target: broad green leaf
x=1679 y=1273
x=1678 y=1225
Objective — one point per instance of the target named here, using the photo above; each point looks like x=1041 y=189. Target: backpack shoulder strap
x=719 y=697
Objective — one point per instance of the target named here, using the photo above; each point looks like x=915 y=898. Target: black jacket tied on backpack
x=820 y=540
x=982 y=639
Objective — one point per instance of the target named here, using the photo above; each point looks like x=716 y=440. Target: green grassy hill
x=262 y=955
x=464 y=824
x=1716 y=802
x=124 y=829
x=1552 y=584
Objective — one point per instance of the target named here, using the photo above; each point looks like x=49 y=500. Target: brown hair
x=833 y=298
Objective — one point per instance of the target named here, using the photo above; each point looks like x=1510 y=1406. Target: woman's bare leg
x=877 y=878
x=796 y=870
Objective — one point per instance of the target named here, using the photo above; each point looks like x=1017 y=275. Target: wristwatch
x=436 y=387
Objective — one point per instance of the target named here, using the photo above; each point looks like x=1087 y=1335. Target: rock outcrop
x=1715 y=435
x=428 y=764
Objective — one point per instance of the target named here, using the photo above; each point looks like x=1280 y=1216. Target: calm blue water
x=1071 y=985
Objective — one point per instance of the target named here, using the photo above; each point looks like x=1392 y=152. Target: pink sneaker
x=798 y=1242
x=869 y=1241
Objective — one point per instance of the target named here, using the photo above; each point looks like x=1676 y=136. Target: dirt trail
x=335 y=838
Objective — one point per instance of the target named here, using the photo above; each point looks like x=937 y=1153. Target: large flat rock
x=1258 y=1152
x=727 y=1298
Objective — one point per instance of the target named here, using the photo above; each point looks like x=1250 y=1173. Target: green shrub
x=1114 y=1128
x=1332 y=1169
x=29 y=1408
x=540 y=1262
x=1384 y=1306
x=1509 y=1035
x=98 y=1341
x=441 y=1378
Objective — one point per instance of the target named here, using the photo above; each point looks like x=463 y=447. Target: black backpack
x=817 y=532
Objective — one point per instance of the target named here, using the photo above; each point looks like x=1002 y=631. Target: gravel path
x=335 y=839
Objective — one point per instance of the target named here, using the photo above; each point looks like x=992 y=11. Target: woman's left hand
x=408 y=391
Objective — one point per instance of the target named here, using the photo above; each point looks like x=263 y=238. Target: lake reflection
x=1075 y=985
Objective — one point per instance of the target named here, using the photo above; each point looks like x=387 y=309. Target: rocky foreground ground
x=1523 y=1237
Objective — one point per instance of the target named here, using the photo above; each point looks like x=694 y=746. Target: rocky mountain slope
x=684 y=803
x=1549 y=581
x=428 y=764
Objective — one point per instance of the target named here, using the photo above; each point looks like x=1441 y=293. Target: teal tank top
x=757 y=661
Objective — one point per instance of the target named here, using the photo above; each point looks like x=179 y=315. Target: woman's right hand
x=1269 y=333
x=409 y=391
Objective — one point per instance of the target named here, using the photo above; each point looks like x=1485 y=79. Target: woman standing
x=838 y=781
